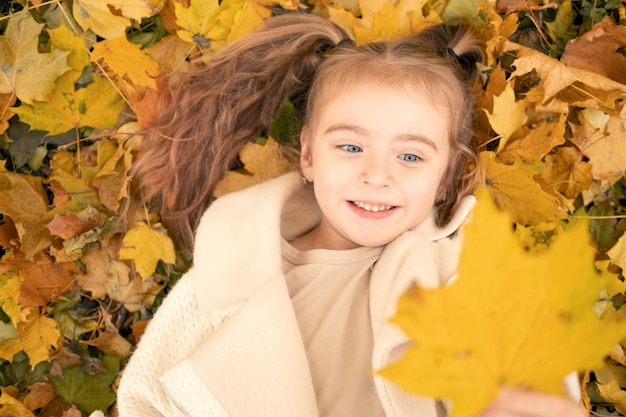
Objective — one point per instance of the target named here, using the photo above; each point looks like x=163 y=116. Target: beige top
x=329 y=290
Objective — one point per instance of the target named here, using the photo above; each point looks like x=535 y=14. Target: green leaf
x=88 y=392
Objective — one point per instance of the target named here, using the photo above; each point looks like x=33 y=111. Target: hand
x=523 y=403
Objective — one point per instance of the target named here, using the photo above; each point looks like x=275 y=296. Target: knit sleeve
x=171 y=335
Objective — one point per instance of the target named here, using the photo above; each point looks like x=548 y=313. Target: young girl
x=285 y=310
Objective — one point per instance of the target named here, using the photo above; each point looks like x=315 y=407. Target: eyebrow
x=360 y=131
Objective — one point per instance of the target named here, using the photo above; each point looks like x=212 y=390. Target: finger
x=522 y=403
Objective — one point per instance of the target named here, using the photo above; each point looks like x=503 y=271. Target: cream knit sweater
x=226 y=342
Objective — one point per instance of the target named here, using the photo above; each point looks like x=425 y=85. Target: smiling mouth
x=370 y=207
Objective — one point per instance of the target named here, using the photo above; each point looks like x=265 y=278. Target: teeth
x=369 y=207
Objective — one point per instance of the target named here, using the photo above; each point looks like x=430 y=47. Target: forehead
x=407 y=103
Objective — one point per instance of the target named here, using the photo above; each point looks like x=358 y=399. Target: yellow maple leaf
x=534 y=143
x=97 y=16
x=65 y=40
x=508 y=114
x=381 y=19
x=28 y=74
x=617 y=253
x=511 y=319
x=146 y=246
x=126 y=59
x=211 y=23
x=10 y=283
x=39 y=336
x=97 y=105
x=514 y=189
x=10 y=406
x=602 y=139
x=566 y=172
x=262 y=163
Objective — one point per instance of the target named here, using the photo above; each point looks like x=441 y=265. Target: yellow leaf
x=126 y=59
x=39 y=336
x=97 y=16
x=97 y=105
x=511 y=319
x=24 y=71
x=10 y=284
x=66 y=40
x=198 y=23
x=618 y=252
x=146 y=246
x=534 y=143
x=603 y=144
x=566 y=172
x=381 y=19
x=508 y=114
x=12 y=407
x=513 y=189
x=210 y=23
x=262 y=163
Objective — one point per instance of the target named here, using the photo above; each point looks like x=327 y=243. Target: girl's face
x=376 y=159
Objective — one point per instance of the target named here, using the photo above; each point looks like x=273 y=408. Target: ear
x=306 y=157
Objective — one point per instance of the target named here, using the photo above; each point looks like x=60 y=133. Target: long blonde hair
x=207 y=115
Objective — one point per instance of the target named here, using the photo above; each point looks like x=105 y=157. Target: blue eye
x=409 y=157
x=351 y=148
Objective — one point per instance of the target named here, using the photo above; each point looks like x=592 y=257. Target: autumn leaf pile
x=78 y=78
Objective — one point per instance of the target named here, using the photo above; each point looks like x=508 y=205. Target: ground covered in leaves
x=77 y=78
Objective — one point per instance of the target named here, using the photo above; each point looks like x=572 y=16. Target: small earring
x=305 y=180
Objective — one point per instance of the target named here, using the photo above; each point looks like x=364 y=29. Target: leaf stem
x=588 y=94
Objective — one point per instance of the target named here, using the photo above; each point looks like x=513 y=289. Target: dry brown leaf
x=557 y=76
x=39 y=396
x=110 y=341
x=73 y=224
x=44 y=280
x=613 y=393
x=617 y=354
x=598 y=51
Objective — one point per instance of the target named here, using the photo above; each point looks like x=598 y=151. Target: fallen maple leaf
x=25 y=71
x=10 y=406
x=261 y=162
x=126 y=59
x=508 y=114
x=97 y=105
x=514 y=189
x=99 y=16
x=599 y=50
x=381 y=20
x=556 y=76
x=146 y=246
x=566 y=172
x=603 y=143
x=533 y=144
x=511 y=319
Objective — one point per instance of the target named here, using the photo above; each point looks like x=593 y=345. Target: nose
x=377 y=172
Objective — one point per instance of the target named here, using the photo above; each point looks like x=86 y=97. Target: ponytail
x=208 y=115
x=463 y=49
